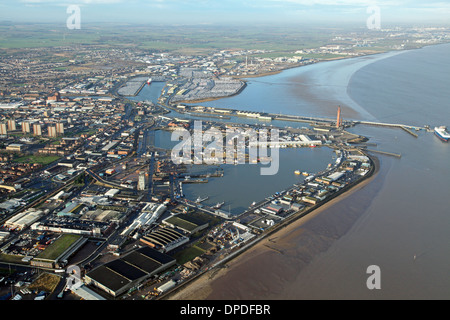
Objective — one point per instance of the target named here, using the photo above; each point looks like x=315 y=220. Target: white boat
x=442 y=133
x=218 y=205
x=199 y=199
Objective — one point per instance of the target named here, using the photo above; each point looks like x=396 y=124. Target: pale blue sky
x=226 y=11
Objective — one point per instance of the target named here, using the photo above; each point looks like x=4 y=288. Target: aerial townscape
x=92 y=204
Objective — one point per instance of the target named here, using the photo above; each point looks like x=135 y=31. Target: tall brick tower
x=339 y=119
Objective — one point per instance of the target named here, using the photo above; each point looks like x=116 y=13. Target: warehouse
x=165 y=239
x=336 y=176
x=24 y=219
x=3 y=236
x=9 y=205
x=57 y=254
x=100 y=215
x=272 y=209
x=118 y=276
x=186 y=223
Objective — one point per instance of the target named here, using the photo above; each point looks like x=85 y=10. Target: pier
x=410 y=132
x=397 y=155
x=405 y=127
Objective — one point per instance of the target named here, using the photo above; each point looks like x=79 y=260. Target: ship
x=218 y=205
x=149 y=81
x=199 y=199
x=442 y=133
x=297 y=172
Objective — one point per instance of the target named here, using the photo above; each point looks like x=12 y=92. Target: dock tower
x=339 y=118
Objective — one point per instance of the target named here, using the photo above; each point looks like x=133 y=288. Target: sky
x=226 y=11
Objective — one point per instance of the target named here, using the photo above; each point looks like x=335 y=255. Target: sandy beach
x=277 y=259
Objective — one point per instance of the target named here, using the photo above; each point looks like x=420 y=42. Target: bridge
x=103 y=181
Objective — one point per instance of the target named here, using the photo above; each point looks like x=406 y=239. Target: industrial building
x=68 y=224
x=15 y=147
x=24 y=219
x=272 y=209
x=101 y=215
x=151 y=212
x=9 y=205
x=86 y=294
x=57 y=254
x=118 y=276
x=185 y=222
x=3 y=236
x=164 y=239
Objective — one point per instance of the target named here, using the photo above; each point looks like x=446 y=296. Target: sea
x=399 y=222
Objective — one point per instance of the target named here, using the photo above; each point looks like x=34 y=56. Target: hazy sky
x=226 y=11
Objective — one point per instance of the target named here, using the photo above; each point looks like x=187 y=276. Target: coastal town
x=91 y=208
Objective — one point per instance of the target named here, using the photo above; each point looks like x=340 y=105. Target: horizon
x=228 y=12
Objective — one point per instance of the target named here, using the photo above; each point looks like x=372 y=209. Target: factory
x=120 y=275
x=165 y=239
x=272 y=209
x=24 y=219
x=186 y=223
x=149 y=215
x=57 y=254
x=100 y=215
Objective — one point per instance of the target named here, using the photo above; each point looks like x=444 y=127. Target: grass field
x=42 y=159
x=45 y=282
x=189 y=39
x=188 y=254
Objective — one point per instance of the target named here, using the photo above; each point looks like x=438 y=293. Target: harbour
x=347 y=233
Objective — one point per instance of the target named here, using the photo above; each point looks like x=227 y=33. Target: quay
x=410 y=132
x=397 y=155
x=326 y=123
x=405 y=127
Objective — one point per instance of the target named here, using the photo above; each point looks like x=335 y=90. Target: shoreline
x=200 y=287
x=267 y=74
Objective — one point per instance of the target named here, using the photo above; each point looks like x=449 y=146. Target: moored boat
x=442 y=133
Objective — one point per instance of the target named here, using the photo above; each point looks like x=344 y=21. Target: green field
x=192 y=39
x=188 y=254
x=41 y=159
